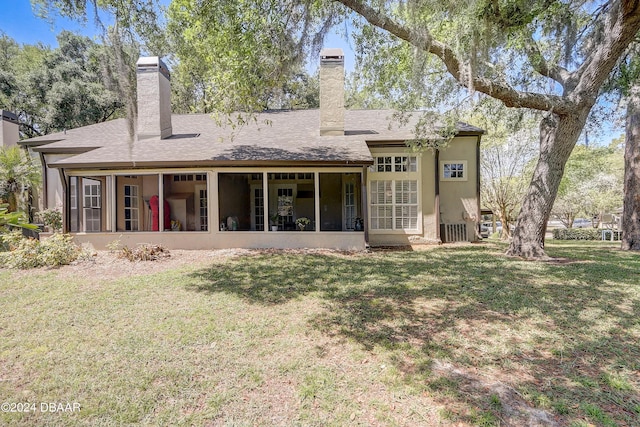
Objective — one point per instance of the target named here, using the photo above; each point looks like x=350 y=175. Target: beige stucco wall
x=55 y=195
x=348 y=241
x=459 y=199
x=427 y=232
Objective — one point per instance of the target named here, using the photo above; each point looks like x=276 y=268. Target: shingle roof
x=274 y=136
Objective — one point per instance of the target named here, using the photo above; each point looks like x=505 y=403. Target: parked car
x=485 y=230
x=582 y=223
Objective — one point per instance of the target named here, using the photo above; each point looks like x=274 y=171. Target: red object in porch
x=154 y=204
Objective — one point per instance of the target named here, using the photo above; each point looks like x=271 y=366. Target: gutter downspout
x=479 y=216
x=365 y=208
x=66 y=225
x=45 y=191
x=436 y=207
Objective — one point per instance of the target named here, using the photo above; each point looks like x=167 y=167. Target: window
x=138 y=203
x=454 y=170
x=393 y=192
x=186 y=201
x=394 y=205
x=189 y=177
x=241 y=202
x=396 y=164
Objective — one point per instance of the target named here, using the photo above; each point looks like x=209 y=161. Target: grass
x=457 y=335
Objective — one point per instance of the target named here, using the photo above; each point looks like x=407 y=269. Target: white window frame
x=404 y=167
x=455 y=164
x=134 y=200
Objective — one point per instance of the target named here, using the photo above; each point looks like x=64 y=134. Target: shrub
x=25 y=253
x=145 y=252
x=577 y=234
x=51 y=218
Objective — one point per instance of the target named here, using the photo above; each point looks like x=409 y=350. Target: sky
x=19 y=22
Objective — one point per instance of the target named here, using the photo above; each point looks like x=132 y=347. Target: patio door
x=92 y=206
x=130 y=204
x=282 y=201
x=257 y=208
x=350 y=204
x=202 y=210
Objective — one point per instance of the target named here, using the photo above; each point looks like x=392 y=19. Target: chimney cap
x=332 y=54
x=152 y=63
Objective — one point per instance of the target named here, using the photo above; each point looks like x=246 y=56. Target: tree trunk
x=631 y=207
x=558 y=136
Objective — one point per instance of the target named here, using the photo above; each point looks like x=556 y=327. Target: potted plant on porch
x=274 y=217
x=302 y=222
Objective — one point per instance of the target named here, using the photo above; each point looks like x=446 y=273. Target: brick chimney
x=154 y=98
x=331 y=92
x=9 y=129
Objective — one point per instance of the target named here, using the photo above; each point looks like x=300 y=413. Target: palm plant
x=18 y=174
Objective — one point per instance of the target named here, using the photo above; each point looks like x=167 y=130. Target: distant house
x=186 y=182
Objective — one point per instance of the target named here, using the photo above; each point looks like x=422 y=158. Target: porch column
x=114 y=200
x=265 y=201
x=214 y=201
x=161 y=202
x=316 y=184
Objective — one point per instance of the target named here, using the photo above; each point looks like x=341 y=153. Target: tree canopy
x=56 y=89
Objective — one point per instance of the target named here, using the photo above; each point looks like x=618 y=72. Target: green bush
x=25 y=253
x=51 y=218
x=577 y=234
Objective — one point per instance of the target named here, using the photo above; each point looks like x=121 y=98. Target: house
x=185 y=182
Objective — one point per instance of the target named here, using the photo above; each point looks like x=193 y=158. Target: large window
x=241 y=201
x=291 y=201
x=138 y=204
x=185 y=197
x=340 y=207
x=394 y=205
x=393 y=191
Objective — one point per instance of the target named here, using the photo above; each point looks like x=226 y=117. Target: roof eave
x=212 y=163
x=63 y=150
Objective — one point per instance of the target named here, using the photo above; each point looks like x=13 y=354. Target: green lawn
x=457 y=335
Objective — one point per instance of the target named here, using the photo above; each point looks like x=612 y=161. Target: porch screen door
x=92 y=207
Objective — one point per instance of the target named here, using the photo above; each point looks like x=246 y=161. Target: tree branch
x=620 y=26
x=540 y=64
x=505 y=93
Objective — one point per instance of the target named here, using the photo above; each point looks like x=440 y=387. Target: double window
x=394 y=193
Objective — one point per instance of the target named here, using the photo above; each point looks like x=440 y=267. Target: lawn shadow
x=438 y=314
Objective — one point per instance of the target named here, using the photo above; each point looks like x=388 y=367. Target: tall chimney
x=9 y=129
x=154 y=98
x=331 y=92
